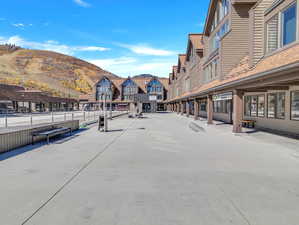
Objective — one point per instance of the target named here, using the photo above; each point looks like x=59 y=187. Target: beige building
x=245 y=66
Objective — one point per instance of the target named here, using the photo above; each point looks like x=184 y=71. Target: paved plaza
x=164 y=169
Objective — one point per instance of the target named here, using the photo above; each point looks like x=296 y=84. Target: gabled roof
x=181 y=61
x=195 y=40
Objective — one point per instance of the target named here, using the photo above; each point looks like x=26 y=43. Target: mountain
x=144 y=76
x=51 y=72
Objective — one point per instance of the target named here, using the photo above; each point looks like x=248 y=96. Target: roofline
x=245 y=79
x=207 y=17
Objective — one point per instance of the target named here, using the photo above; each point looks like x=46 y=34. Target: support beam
x=196 y=109
x=238 y=111
x=210 y=109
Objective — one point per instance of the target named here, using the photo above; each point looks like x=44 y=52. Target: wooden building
x=247 y=65
x=120 y=93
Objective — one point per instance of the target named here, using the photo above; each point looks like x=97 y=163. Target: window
x=104 y=89
x=203 y=106
x=295 y=105
x=247 y=105
x=261 y=106
x=254 y=106
x=154 y=86
x=276 y=105
x=220 y=106
x=289 y=26
x=272 y=34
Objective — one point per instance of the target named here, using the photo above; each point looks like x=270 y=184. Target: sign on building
x=223 y=96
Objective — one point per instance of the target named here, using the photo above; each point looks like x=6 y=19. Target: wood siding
x=234 y=46
x=257 y=31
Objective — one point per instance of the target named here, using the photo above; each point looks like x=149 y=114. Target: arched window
x=154 y=87
x=104 y=89
x=129 y=89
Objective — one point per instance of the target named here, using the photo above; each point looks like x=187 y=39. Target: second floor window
x=104 y=89
x=154 y=87
x=289 y=25
x=281 y=29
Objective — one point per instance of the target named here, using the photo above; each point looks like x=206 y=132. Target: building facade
x=121 y=93
x=245 y=66
x=14 y=99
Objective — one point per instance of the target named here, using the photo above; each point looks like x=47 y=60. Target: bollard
x=72 y=116
x=84 y=118
x=31 y=119
x=65 y=116
x=52 y=117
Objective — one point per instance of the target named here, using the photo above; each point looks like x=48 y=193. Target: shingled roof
x=278 y=61
x=18 y=93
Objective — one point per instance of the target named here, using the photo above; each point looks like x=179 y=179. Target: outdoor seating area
x=55 y=131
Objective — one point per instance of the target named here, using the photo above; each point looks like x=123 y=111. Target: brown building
x=121 y=92
x=246 y=66
x=15 y=98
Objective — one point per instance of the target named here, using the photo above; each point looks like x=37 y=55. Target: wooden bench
x=248 y=123
x=51 y=133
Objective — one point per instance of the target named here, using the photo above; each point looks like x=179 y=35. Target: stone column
x=196 y=109
x=238 y=111
x=210 y=109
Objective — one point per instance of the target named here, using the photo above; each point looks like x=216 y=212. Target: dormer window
x=154 y=87
x=129 y=89
x=104 y=90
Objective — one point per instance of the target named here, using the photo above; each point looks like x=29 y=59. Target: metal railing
x=9 y=120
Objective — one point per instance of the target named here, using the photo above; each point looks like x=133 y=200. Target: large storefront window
x=254 y=106
x=221 y=107
x=276 y=105
x=295 y=105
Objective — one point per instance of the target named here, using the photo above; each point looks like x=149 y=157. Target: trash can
x=101 y=122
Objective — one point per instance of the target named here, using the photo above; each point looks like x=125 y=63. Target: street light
x=110 y=92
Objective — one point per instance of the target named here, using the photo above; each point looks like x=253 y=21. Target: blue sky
x=126 y=37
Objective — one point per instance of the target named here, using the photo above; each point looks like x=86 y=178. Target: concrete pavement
x=154 y=171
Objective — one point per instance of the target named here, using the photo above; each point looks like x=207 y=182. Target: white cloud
x=18 y=25
x=91 y=48
x=82 y=3
x=127 y=66
x=22 y=25
x=142 y=49
x=50 y=45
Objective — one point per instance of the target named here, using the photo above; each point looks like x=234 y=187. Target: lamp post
x=110 y=92
x=105 y=113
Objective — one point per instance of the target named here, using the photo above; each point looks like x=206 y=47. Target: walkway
x=161 y=170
